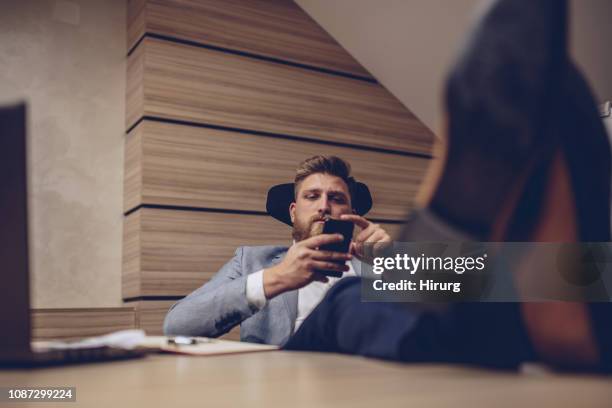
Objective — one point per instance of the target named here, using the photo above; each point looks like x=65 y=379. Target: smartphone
x=345 y=228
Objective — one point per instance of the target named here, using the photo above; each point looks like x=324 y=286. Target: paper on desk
x=204 y=347
x=124 y=339
x=134 y=338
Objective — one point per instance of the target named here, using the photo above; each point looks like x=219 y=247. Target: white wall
x=67 y=59
x=408 y=45
x=591 y=35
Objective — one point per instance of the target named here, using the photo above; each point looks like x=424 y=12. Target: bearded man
x=270 y=290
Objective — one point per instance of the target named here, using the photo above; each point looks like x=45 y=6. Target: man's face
x=319 y=195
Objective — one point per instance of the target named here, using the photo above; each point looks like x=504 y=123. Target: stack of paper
x=137 y=339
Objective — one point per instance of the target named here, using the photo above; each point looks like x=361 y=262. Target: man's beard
x=302 y=231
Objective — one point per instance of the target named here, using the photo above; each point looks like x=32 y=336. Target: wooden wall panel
x=131 y=256
x=150 y=316
x=133 y=160
x=180 y=250
x=69 y=324
x=136 y=21
x=200 y=167
x=135 y=86
x=271 y=28
x=204 y=86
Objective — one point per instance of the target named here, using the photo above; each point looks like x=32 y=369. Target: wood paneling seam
x=253 y=56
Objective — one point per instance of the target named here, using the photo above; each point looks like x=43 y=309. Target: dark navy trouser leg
x=489 y=334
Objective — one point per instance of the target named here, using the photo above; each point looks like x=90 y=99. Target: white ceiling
x=408 y=45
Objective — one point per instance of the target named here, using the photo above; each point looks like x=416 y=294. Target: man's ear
x=292 y=212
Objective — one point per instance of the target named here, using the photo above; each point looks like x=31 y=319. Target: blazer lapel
x=290 y=298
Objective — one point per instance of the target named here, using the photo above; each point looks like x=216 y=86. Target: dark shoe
x=500 y=99
x=587 y=149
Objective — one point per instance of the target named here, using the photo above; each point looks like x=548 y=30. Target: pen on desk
x=185 y=340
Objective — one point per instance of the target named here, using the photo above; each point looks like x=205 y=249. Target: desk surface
x=287 y=379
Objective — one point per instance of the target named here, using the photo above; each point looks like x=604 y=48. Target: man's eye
x=311 y=196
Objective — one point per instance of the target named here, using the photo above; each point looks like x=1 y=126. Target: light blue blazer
x=220 y=304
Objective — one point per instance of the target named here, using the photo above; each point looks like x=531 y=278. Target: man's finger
x=378 y=236
x=357 y=219
x=367 y=233
x=329 y=266
x=380 y=248
x=359 y=249
x=323 y=239
x=371 y=246
x=331 y=256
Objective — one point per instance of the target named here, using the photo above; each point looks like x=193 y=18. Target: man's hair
x=332 y=165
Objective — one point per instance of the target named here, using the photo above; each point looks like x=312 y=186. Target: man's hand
x=300 y=265
x=372 y=234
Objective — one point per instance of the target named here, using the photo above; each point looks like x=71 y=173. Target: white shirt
x=308 y=297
